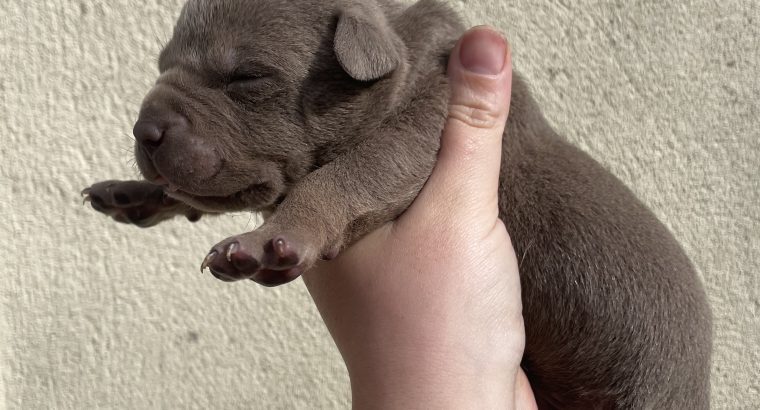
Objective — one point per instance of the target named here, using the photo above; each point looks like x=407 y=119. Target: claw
x=280 y=247
x=86 y=194
x=210 y=257
x=232 y=248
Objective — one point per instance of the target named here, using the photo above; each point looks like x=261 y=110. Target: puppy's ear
x=366 y=46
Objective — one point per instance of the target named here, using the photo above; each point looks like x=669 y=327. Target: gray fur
x=326 y=117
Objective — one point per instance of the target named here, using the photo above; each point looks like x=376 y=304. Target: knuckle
x=479 y=115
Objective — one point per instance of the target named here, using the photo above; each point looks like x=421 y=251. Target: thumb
x=466 y=174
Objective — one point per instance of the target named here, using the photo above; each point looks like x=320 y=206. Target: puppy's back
x=615 y=314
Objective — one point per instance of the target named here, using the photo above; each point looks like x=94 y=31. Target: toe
x=281 y=253
x=232 y=261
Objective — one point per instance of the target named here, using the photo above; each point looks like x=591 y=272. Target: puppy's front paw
x=267 y=260
x=134 y=202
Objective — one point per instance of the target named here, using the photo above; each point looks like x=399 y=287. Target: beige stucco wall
x=99 y=315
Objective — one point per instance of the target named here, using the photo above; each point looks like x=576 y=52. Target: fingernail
x=483 y=51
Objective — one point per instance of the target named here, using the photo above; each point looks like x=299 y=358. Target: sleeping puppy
x=325 y=116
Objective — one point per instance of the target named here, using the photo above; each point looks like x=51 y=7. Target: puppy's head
x=250 y=91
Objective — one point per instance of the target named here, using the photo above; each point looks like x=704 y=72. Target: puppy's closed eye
x=250 y=86
x=243 y=77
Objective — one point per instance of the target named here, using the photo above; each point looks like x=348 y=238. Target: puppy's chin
x=193 y=169
x=220 y=193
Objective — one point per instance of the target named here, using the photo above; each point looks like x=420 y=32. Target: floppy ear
x=366 y=46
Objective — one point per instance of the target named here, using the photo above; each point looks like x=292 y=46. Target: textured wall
x=99 y=315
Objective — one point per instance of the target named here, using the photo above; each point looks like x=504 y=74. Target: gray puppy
x=326 y=117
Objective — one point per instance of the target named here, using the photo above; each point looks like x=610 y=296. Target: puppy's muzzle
x=170 y=152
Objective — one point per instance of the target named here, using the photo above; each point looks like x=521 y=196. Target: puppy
x=326 y=117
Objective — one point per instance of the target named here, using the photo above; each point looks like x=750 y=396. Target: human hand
x=426 y=310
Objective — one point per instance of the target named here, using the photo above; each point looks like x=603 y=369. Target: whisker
x=247 y=224
x=525 y=253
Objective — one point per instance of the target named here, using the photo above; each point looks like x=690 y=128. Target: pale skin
x=426 y=310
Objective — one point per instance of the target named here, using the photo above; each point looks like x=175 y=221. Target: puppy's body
x=615 y=315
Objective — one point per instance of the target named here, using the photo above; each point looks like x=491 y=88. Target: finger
x=467 y=171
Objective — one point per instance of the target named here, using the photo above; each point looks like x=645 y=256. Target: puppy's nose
x=148 y=133
x=155 y=122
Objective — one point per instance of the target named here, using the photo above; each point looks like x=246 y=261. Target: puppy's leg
x=136 y=202
x=338 y=203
